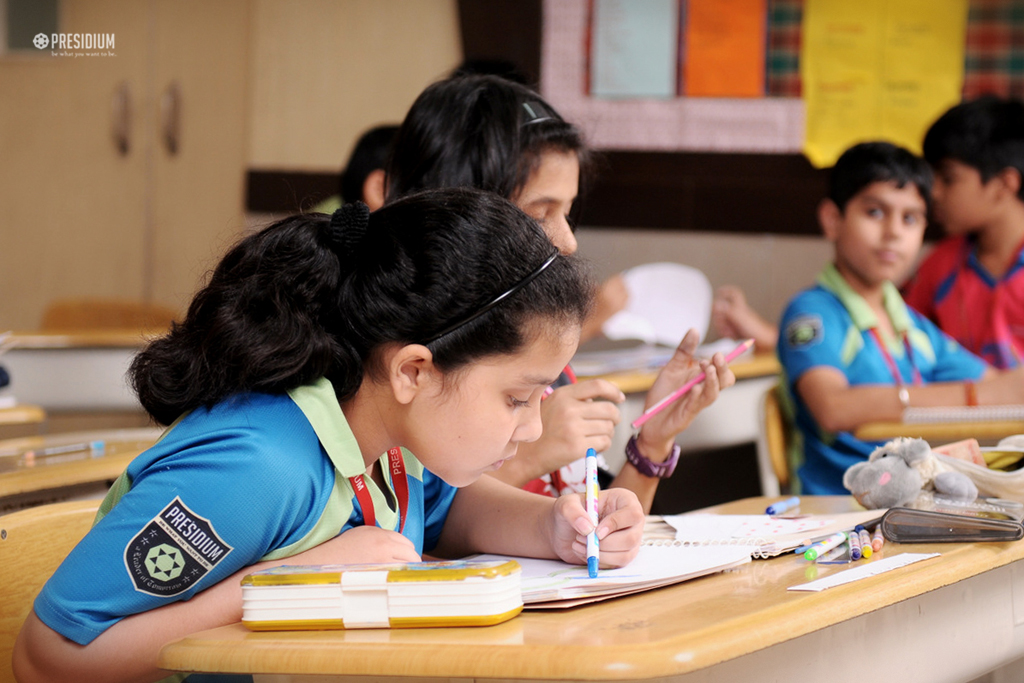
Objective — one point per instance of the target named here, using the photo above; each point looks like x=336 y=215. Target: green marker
x=822 y=547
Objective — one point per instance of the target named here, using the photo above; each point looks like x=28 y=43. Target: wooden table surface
x=661 y=633
x=22 y=414
x=120 y=448
x=938 y=433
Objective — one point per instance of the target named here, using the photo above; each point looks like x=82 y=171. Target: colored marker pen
x=821 y=547
x=866 y=550
x=877 y=539
x=81 y=450
x=782 y=505
x=854 y=539
x=592 y=542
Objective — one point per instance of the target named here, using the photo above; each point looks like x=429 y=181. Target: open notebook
x=760 y=535
x=553 y=584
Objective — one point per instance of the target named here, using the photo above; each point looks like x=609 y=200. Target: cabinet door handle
x=121 y=118
x=170 y=118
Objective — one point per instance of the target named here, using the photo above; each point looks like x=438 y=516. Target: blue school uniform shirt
x=830 y=325
x=256 y=477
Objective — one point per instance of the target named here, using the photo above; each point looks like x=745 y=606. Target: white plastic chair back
x=665 y=300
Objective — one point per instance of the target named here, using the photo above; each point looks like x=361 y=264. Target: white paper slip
x=865 y=570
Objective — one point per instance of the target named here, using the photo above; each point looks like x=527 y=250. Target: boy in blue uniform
x=851 y=350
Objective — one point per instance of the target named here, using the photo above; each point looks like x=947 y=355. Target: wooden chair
x=773 y=445
x=33 y=543
x=106 y=314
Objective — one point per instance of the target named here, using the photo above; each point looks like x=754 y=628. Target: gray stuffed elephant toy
x=897 y=472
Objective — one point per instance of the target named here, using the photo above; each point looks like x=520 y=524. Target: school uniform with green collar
x=255 y=477
x=831 y=325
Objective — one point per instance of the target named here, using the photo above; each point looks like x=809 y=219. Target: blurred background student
x=493 y=134
x=972 y=283
x=363 y=176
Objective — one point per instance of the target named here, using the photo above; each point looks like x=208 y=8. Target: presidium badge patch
x=804 y=331
x=173 y=551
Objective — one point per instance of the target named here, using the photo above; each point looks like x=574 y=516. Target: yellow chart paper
x=875 y=69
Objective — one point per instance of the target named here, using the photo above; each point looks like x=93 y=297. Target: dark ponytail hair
x=478 y=131
x=300 y=300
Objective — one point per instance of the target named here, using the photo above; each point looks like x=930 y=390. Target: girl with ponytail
x=334 y=395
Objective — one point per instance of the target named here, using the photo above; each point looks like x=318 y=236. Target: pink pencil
x=660 y=405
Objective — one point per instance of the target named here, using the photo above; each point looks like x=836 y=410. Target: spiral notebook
x=765 y=535
x=992 y=413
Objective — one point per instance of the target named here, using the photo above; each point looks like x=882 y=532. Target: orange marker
x=877 y=540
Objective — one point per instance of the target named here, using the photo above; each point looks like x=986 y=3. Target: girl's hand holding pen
x=620 y=529
x=659 y=432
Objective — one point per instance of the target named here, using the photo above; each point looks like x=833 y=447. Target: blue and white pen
x=592 y=543
x=783 y=505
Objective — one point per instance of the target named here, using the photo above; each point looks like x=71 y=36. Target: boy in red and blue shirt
x=972 y=284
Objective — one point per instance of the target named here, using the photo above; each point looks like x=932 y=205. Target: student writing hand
x=620 y=527
x=361 y=544
x=575 y=417
x=658 y=434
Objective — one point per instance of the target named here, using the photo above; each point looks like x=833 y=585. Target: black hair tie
x=347 y=229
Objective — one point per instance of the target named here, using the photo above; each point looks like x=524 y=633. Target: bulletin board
x=770 y=118
x=715 y=124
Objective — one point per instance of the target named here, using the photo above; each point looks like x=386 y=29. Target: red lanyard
x=399 y=480
x=893 y=368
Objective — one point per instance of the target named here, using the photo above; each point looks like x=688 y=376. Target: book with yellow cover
x=414 y=594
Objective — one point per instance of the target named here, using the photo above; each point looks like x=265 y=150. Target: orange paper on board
x=725 y=48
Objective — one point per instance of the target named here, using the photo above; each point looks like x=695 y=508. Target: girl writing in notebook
x=334 y=393
x=496 y=135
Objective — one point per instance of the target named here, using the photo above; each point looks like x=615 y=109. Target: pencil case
x=399 y=595
x=909 y=525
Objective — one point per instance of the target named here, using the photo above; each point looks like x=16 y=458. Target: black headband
x=496 y=300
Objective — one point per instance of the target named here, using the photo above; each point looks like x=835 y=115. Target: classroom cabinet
x=122 y=174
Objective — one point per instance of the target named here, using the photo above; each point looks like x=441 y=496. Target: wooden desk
x=22 y=414
x=941 y=432
x=44 y=483
x=950 y=618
